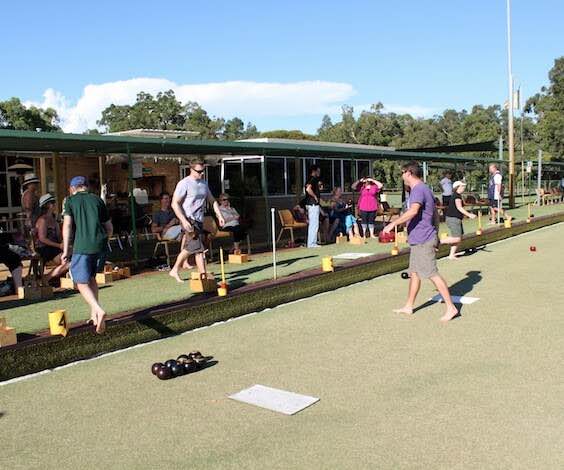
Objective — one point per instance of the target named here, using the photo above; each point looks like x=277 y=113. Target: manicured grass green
x=483 y=391
x=157 y=288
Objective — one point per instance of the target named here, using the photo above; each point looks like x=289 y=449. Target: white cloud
x=249 y=100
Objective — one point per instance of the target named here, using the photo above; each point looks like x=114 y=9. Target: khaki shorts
x=422 y=259
x=454 y=224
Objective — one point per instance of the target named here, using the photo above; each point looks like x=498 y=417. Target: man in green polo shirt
x=89 y=216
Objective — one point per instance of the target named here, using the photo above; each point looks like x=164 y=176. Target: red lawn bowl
x=533 y=248
x=386 y=237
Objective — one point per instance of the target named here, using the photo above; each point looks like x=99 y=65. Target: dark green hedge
x=53 y=352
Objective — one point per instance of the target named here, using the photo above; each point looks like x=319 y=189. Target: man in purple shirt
x=420 y=218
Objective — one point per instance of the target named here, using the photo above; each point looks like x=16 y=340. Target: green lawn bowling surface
x=158 y=288
x=483 y=391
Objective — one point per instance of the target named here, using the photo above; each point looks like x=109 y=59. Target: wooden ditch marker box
x=7 y=334
x=239 y=259
x=357 y=241
x=199 y=285
x=35 y=292
x=341 y=239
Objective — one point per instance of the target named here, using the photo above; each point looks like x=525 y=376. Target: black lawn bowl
x=170 y=362
x=177 y=370
x=404 y=275
x=155 y=367
x=182 y=358
x=200 y=362
x=189 y=366
x=164 y=373
x=195 y=355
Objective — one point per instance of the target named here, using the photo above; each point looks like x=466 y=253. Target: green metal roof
x=29 y=141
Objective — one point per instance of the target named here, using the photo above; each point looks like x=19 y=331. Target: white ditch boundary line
x=141 y=345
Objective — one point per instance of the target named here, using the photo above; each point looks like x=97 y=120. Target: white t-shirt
x=446 y=184
x=230 y=215
x=497 y=181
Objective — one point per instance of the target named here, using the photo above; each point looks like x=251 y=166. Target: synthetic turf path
x=484 y=391
x=157 y=288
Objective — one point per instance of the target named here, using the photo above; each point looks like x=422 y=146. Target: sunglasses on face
x=198 y=171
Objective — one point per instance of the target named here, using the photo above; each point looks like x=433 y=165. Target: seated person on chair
x=49 y=237
x=232 y=221
x=14 y=264
x=165 y=224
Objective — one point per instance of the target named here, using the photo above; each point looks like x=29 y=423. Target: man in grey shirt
x=188 y=203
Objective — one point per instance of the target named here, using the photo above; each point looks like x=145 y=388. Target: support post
x=539 y=178
x=132 y=207
x=510 y=141
x=102 y=170
x=264 y=186
x=43 y=171
x=273 y=222
x=56 y=175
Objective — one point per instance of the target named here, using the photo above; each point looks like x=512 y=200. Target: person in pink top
x=367 y=202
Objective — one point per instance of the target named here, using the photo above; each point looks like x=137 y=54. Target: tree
x=284 y=134
x=548 y=105
x=15 y=115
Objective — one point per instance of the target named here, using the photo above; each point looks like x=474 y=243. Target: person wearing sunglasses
x=232 y=221
x=422 y=223
x=189 y=203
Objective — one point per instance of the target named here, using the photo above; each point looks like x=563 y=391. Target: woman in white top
x=232 y=221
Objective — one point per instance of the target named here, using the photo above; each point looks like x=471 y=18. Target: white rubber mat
x=273 y=399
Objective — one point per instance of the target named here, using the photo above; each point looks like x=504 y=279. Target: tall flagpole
x=510 y=140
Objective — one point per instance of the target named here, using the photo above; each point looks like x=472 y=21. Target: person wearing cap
x=454 y=214
x=92 y=227
x=30 y=199
x=49 y=238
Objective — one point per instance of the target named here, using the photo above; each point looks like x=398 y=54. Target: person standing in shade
x=89 y=216
x=30 y=200
x=446 y=186
x=454 y=214
x=367 y=203
x=495 y=193
x=312 y=199
x=422 y=220
x=188 y=203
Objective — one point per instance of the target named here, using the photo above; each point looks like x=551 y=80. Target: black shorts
x=194 y=243
x=493 y=203
x=367 y=218
x=9 y=258
x=239 y=232
x=48 y=253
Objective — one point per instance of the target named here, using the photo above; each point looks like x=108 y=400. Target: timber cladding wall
x=49 y=352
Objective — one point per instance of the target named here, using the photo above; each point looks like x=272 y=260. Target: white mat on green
x=352 y=255
x=281 y=401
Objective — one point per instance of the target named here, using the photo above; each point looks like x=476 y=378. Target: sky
x=281 y=65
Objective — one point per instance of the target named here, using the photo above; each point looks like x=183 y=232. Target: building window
x=275 y=176
x=252 y=177
x=213 y=175
x=363 y=168
x=347 y=175
x=326 y=177
x=294 y=184
x=337 y=177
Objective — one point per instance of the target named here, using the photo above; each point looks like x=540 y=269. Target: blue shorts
x=349 y=222
x=83 y=268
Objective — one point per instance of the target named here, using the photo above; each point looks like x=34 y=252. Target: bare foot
x=449 y=314
x=100 y=322
x=173 y=273
x=454 y=258
x=407 y=310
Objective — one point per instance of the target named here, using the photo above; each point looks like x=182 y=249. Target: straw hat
x=46 y=199
x=30 y=178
